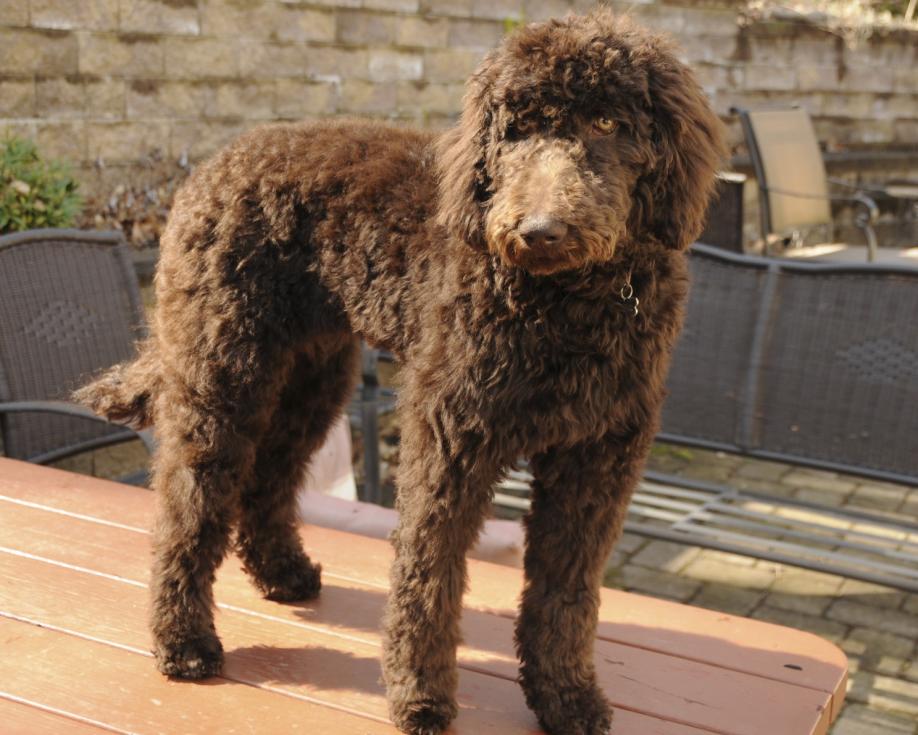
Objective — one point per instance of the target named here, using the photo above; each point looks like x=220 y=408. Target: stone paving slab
x=857 y=719
x=864 y=614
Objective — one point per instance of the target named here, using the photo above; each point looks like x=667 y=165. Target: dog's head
x=573 y=133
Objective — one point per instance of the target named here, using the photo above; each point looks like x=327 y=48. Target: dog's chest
x=561 y=382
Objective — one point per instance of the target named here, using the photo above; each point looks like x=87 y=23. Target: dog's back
x=324 y=220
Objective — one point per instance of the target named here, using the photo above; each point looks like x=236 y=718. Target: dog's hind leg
x=207 y=433
x=580 y=496
x=317 y=388
x=446 y=473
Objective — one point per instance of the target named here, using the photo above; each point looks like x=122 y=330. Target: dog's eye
x=522 y=128
x=604 y=125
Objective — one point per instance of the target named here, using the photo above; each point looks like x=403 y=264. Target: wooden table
x=74 y=647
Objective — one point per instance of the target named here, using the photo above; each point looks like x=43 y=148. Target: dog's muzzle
x=540 y=231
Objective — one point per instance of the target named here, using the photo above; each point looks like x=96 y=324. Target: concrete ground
x=876 y=626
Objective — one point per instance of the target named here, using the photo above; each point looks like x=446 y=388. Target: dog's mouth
x=541 y=257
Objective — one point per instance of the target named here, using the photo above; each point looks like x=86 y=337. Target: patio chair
x=69 y=306
x=794 y=193
x=724 y=218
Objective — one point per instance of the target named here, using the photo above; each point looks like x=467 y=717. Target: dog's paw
x=294 y=582
x=192 y=658
x=423 y=717
x=573 y=711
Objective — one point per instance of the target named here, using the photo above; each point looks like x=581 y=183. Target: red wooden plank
x=265 y=653
x=102 y=683
x=670 y=688
x=738 y=643
x=21 y=718
x=73 y=493
x=720 y=639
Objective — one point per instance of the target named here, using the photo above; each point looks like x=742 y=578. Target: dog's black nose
x=538 y=230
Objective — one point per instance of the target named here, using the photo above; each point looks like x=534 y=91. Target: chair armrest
x=858 y=198
x=869 y=209
x=72 y=409
x=864 y=218
x=902 y=191
x=893 y=189
x=854 y=187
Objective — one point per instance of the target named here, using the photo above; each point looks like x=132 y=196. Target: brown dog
x=526 y=266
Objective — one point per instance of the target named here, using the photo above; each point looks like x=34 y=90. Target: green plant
x=34 y=192
x=512 y=23
x=852 y=20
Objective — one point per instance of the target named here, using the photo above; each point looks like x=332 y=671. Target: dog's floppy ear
x=462 y=171
x=688 y=146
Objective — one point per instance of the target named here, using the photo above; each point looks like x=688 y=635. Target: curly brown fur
x=124 y=392
x=297 y=239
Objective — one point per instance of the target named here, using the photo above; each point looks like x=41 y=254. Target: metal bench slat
x=712 y=516
x=664 y=533
x=776 y=544
x=860 y=516
x=775 y=519
x=801 y=535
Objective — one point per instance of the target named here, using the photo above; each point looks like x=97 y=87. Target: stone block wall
x=107 y=83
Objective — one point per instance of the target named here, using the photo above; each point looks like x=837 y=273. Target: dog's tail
x=124 y=393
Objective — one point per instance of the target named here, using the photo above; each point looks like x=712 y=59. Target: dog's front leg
x=579 y=499
x=445 y=481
